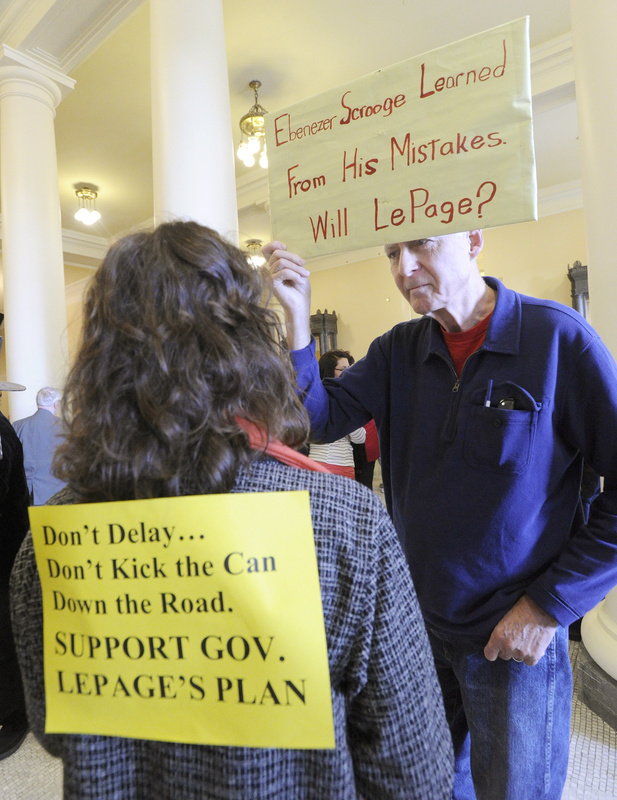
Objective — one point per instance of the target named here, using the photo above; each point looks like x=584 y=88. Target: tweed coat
x=392 y=741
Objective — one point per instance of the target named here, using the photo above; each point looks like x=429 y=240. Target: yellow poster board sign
x=437 y=144
x=191 y=619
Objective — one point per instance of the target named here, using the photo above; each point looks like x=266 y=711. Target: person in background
x=13 y=528
x=486 y=406
x=365 y=455
x=338 y=455
x=40 y=435
x=183 y=386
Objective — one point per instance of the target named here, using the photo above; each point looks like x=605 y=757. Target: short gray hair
x=47 y=396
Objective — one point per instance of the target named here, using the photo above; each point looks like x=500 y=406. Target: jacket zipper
x=449 y=429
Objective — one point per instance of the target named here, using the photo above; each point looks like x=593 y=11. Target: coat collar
x=504 y=331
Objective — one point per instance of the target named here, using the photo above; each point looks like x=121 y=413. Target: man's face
x=434 y=273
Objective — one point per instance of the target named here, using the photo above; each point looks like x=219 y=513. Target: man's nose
x=407 y=262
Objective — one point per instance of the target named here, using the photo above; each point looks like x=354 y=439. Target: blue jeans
x=510 y=723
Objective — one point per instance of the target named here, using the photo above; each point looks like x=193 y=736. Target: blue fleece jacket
x=483 y=497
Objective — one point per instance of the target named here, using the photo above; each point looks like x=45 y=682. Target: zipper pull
x=456 y=385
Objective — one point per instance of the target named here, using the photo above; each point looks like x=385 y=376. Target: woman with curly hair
x=182 y=386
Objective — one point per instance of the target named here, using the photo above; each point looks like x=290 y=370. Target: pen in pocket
x=487 y=397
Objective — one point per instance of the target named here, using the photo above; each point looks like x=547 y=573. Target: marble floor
x=592 y=769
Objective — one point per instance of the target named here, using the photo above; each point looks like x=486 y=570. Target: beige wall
x=532 y=258
x=365 y=299
x=73 y=320
x=77 y=280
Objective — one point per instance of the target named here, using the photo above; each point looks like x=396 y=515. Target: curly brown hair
x=176 y=342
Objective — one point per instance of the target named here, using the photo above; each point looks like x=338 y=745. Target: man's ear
x=476 y=243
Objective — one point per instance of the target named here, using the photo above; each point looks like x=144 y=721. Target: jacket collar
x=504 y=331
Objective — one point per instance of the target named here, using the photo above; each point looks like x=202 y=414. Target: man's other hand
x=523 y=634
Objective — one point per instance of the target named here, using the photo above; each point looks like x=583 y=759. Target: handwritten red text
x=385 y=107
x=445 y=211
x=354 y=167
x=303 y=185
x=284 y=133
x=412 y=153
x=330 y=226
x=462 y=78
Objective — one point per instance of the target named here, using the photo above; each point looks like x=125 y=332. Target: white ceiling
x=296 y=50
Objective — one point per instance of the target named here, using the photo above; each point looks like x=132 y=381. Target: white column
x=594 y=28
x=193 y=159
x=34 y=296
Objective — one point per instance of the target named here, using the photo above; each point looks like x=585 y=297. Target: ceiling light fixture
x=254 y=256
x=252 y=126
x=87 y=212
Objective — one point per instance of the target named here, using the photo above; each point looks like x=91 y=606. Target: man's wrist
x=543 y=617
x=298 y=336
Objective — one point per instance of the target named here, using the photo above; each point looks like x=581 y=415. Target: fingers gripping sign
x=523 y=634
x=287 y=269
x=292 y=288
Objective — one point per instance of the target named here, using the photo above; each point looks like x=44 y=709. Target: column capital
x=23 y=74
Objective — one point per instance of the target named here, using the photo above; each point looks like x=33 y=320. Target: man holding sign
x=485 y=408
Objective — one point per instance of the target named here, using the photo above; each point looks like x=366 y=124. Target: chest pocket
x=501 y=439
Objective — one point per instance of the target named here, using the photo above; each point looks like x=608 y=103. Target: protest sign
x=191 y=619
x=437 y=144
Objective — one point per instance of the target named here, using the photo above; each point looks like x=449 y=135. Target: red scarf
x=272 y=447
